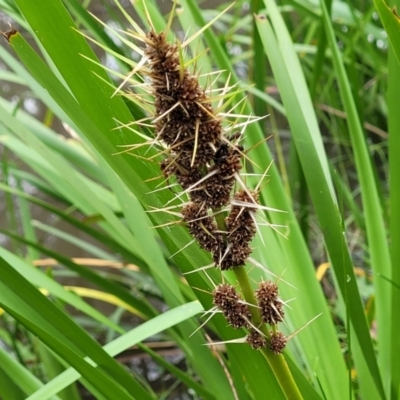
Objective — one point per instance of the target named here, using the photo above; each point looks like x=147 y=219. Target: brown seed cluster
x=271 y=312
x=256 y=340
x=271 y=307
x=241 y=228
x=183 y=113
x=202 y=227
x=227 y=300
x=206 y=162
x=184 y=118
x=203 y=159
x=277 y=342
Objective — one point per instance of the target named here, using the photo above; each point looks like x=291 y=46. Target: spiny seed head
x=240 y=221
x=227 y=159
x=256 y=340
x=277 y=342
x=225 y=295
x=185 y=121
x=202 y=227
x=217 y=190
x=240 y=229
x=271 y=307
x=240 y=213
x=268 y=291
x=229 y=302
x=158 y=49
x=183 y=113
x=205 y=162
x=218 y=187
x=230 y=257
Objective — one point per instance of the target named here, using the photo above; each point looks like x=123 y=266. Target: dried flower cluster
x=238 y=315
x=205 y=162
x=256 y=340
x=271 y=307
x=236 y=311
x=202 y=154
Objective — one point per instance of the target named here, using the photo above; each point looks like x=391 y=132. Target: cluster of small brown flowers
x=240 y=225
x=256 y=340
x=205 y=161
x=271 y=312
x=227 y=300
x=201 y=156
x=271 y=307
x=277 y=342
x=237 y=313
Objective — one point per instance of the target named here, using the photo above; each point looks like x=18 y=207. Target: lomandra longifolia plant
x=198 y=138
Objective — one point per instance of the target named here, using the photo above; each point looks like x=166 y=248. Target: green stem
x=282 y=373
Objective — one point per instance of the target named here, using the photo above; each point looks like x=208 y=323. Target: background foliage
x=325 y=73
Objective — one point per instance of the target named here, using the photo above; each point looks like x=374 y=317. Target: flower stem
x=282 y=373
